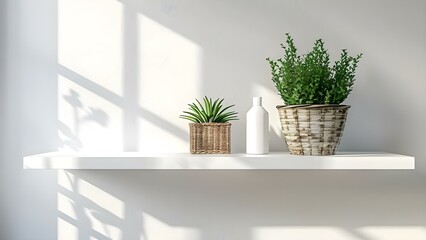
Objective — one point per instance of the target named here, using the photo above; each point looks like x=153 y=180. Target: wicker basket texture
x=313 y=129
x=210 y=138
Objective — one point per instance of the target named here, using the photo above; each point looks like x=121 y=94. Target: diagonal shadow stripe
x=76 y=223
x=90 y=85
x=357 y=234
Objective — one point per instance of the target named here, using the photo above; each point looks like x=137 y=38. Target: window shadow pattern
x=227 y=204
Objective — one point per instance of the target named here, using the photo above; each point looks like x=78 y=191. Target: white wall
x=114 y=75
x=29 y=125
x=2 y=76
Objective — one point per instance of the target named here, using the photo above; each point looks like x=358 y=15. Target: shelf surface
x=272 y=161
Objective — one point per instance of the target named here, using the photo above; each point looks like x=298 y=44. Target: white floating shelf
x=183 y=161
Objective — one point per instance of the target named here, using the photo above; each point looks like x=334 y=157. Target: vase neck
x=257 y=101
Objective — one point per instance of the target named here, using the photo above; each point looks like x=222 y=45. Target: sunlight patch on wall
x=85 y=210
x=90 y=40
x=102 y=226
x=270 y=99
x=66 y=206
x=170 y=72
x=78 y=188
x=393 y=233
x=156 y=229
x=301 y=233
x=66 y=230
x=66 y=180
x=87 y=121
x=101 y=198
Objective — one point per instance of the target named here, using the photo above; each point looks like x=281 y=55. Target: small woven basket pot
x=313 y=129
x=210 y=138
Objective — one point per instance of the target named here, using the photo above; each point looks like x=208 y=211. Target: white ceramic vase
x=257 y=129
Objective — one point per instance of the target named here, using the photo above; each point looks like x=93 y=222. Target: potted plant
x=210 y=130
x=313 y=118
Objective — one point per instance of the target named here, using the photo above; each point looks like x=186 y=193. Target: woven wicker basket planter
x=313 y=129
x=210 y=138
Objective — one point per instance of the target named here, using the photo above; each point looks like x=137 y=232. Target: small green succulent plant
x=309 y=78
x=209 y=112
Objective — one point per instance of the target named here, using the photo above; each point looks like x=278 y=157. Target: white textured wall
x=114 y=75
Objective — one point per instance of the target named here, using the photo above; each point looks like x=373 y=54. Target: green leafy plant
x=209 y=112
x=309 y=78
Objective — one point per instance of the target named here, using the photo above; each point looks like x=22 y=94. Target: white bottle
x=257 y=129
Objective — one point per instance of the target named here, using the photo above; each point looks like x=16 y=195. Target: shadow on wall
x=235 y=38
x=231 y=63
x=85 y=212
x=100 y=116
x=158 y=204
